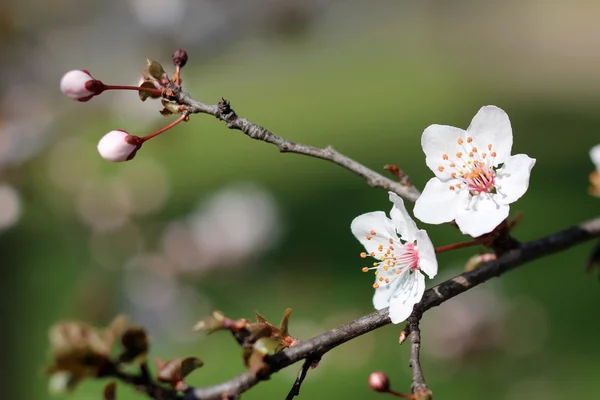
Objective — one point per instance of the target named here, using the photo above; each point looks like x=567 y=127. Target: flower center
x=393 y=259
x=474 y=169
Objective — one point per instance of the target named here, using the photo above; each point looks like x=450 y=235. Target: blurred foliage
x=369 y=92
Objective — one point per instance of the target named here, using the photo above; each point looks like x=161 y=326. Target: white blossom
x=476 y=177
x=403 y=252
x=595 y=156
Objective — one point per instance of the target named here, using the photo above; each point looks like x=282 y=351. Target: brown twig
x=142 y=382
x=295 y=391
x=418 y=386
x=433 y=297
x=225 y=113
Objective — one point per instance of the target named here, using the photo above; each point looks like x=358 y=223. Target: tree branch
x=433 y=297
x=418 y=386
x=225 y=113
x=142 y=382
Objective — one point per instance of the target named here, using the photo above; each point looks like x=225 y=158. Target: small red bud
x=180 y=58
x=379 y=382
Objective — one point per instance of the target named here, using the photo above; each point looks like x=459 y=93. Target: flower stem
x=401 y=395
x=166 y=128
x=458 y=245
x=136 y=88
x=178 y=75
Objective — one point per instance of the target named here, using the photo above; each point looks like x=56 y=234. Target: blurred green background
x=205 y=218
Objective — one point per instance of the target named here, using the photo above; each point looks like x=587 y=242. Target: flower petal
x=438 y=204
x=512 y=179
x=383 y=294
x=408 y=293
x=492 y=126
x=595 y=156
x=364 y=225
x=405 y=226
x=483 y=215
x=427 y=259
x=437 y=141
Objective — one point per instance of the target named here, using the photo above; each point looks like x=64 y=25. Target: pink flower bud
x=118 y=146
x=379 y=382
x=80 y=85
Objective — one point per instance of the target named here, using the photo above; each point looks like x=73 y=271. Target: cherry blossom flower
x=595 y=175
x=476 y=177
x=80 y=85
x=403 y=252
x=595 y=156
x=118 y=146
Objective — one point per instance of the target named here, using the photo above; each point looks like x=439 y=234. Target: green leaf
x=155 y=69
x=190 y=364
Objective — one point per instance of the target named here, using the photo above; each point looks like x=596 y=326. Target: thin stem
x=178 y=75
x=401 y=395
x=295 y=391
x=455 y=246
x=136 y=88
x=166 y=128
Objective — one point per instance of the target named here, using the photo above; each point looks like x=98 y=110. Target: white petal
x=492 y=126
x=383 y=294
x=595 y=156
x=484 y=214
x=438 y=204
x=375 y=221
x=438 y=140
x=513 y=178
x=427 y=260
x=405 y=225
x=409 y=292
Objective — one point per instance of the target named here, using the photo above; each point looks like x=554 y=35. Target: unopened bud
x=80 y=85
x=180 y=58
x=479 y=259
x=403 y=335
x=118 y=146
x=379 y=382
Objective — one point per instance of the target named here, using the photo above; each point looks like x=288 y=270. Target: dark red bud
x=180 y=58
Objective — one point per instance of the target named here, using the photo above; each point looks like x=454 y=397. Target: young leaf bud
x=80 y=85
x=180 y=58
x=118 y=146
